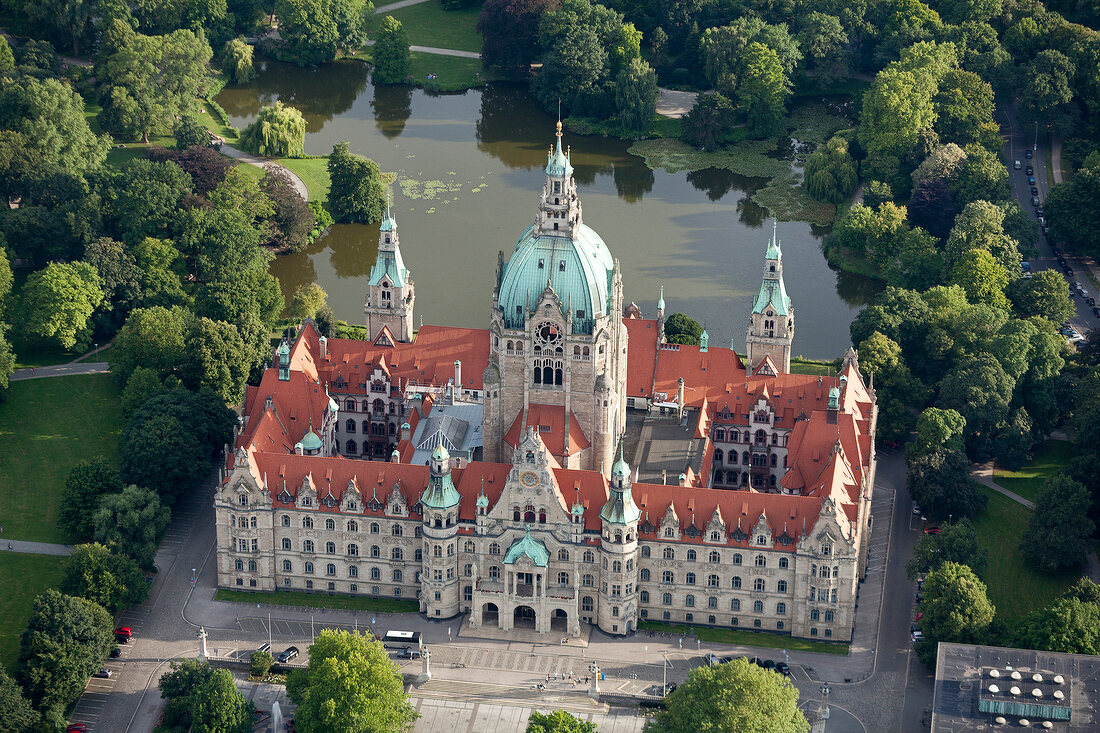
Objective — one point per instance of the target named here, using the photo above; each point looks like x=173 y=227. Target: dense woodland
x=166 y=253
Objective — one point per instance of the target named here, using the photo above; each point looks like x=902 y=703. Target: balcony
x=526 y=590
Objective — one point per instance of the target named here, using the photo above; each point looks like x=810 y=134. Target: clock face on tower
x=529 y=478
x=549 y=334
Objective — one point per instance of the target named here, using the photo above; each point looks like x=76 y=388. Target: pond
x=469 y=170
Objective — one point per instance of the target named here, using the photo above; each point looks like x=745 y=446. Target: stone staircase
x=528 y=696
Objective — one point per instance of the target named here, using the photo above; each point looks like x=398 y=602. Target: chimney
x=458 y=381
x=322 y=344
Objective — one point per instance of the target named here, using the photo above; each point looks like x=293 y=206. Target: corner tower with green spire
x=390 y=293
x=771 y=325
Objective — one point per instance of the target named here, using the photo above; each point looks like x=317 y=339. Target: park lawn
x=428 y=24
x=1015 y=588
x=747 y=638
x=212 y=123
x=22 y=577
x=453 y=73
x=313 y=172
x=46 y=427
x=319 y=600
x=817 y=368
x=1050 y=460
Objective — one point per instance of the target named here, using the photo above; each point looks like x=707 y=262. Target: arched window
x=645 y=551
x=375 y=551
x=309 y=568
x=736 y=582
x=828 y=615
x=375 y=574
x=397 y=531
x=351 y=447
x=286 y=520
x=712 y=581
x=692 y=556
x=586 y=604
x=330 y=548
x=781 y=586
x=542 y=516
x=712 y=602
x=563 y=555
x=720 y=434
x=437 y=551
x=784 y=562
x=307 y=545
x=714 y=556
x=330 y=569
x=617 y=567
x=349 y=425
x=529 y=513
x=761 y=561
x=758 y=607
x=397 y=553
x=644 y=574
x=781 y=609
x=836 y=571
x=353 y=549
x=494 y=572
x=287 y=566
x=667 y=577
x=589 y=557
x=719 y=455
x=286 y=543
x=515 y=513
x=815 y=615
x=690 y=579
x=353 y=526
x=758 y=585
x=353 y=572
x=494 y=549
x=307 y=522
x=735 y=604
x=588 y=581
x=468 y=547
x=666 y=599
x=251 y=566
x=668 y=553
x=330 y=524
x=689 y=601
x=563 y=579
x=374 y=528
x=349 y=405
x=644 y=596
x=737 y=558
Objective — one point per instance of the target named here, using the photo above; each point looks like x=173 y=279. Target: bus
x=402 y=640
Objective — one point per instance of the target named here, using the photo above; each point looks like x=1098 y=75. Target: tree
x=938 y=430
x=66 y=639
x=763 y=91
x=309 y=31
x=279 y=130
x=112 y=580
x=143 y=385
x=877 y=193
x=218 y=358
x=636 y=95
x=16 y=713
x=944 y=164
x=293 y=221
x=982 y=277
x=356 y=193
x=895 y=109
x=509 y=29
x=306 y=301
x=980 y=390
x=1068 y=625
x=1074 y=212
x=7 y=59
x=682 y=329
x=237 y=61
x=147 y=82
x=830 y=173
x=201 y=699
x=391 y=53
x=350 y=684
x=261 y=663
x=88 y=480
x=964 y=110
x=58 y=301
x=120 y=277
x=571 y=67
x=1048 y=86
x=980 y=225
x=956 y=608
x=940 y=483
x=1059 y=532
x=709 y=122
x=734 y=696
x=825 y=42
x=47 y=116
x=153 y=338
x=932 y=207
x=558 y=721
x=1045 y=294
x=956 y=543
x=982 y=178
x=350 y=17
x=189 y=132
x=162 y=456
x=132 y=522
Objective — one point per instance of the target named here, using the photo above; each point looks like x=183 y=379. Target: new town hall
x=564 y=466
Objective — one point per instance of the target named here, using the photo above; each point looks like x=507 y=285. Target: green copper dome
x=579 y=269
x=529 y=546
x=311 y=441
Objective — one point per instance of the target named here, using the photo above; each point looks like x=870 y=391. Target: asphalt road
x=1019 y=139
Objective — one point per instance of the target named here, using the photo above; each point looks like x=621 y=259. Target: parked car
x=1027 y=154
x=916 y=509
x=932 y=530
x=1017 y=165
x=1030 y=171
x=104 y=673
x=287 y=654
x=124 y=631
x=116 y=653
x=918 y=635
x=768 y=664
x=1034 y=191
x=1031 y=180
x=1042 y=221
x=1034 y=200
x=711 y=660
x=76 y=728
x=783 y=668
x=408 y=653
x=727 y=660
x=920 y=616
x=1096 y=312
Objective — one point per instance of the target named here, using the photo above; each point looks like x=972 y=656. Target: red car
x=932 y=530
x=124 y=631
x=77 y=728
x=920 y=616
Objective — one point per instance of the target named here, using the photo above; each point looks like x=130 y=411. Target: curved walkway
x=61 y=370
x=36 y=548
x=983 y=474
x=262 y=162
x=439 y=51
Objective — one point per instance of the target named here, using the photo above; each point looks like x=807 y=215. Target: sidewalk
x=262 y=162
x=61 y=370
x=36 y=548
x=983 y=474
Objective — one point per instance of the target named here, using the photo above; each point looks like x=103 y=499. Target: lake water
x=469 y=172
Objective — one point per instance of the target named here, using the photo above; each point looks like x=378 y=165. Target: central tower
x=771 y=325
x=557 y=353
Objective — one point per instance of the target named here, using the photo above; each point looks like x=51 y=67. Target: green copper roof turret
x=620 y=507
x=441 y=492
x=311 y=441
x=529 y=546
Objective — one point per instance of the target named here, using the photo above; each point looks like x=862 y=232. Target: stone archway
x=559 y=621
x=524 y=618
x=490 y=614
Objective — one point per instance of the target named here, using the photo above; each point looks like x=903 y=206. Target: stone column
x=594 y=687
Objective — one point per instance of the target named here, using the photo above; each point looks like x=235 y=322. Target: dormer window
x=542 y=263
x=761 y=540
x=306 y=501
x=826 y=550
x=243 y=499
x=561 y=265
x=557 y=186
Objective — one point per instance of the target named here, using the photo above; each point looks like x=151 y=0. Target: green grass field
x=1014 y=586
x=747 y=638
x=319 y=600
x=22 y=577
x=46 y=426
x=313 y=172
x=428 y=24
x=1050 y=460
x=452 y=73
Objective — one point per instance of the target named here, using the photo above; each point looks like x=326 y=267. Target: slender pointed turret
x=771 y=325
x=390 y=293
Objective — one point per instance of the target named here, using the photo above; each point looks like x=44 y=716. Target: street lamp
x=1036 y=144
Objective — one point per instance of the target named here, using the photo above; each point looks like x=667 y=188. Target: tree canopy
x=957 y=542
x=391 y=53
x=356 y=193
x=1059 y=532
x=131 y=522
x=956 y=608
x=201 y=699
x=279 y=130
x=88 y=480
x=111 y=579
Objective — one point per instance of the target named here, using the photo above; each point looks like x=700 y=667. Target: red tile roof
x=549 y=422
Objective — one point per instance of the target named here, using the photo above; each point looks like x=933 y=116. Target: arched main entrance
x=523 y=618
x=559 y=621
x=490 y=614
